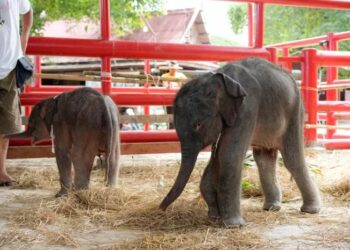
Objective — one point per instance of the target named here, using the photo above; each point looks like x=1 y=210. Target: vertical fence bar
x=286 y=65
x=37 y=69
x=147 y=70
x=106 y=76
x=310 y=92
x=37 y=83
x=105 y=23
x=250 y=25
x=259 y=25
x=273 y=55
x=331 y=95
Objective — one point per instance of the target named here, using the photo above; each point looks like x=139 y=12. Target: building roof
x=174 y=27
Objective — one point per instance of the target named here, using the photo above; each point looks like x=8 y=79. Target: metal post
x=259 y=25
x=147 y=70
x=105 y=24
x=331 y=95
x=37 y=83
x=310 y=93
x=273 y=55
x=250 y=25
x=37 y=69
x=286 y=65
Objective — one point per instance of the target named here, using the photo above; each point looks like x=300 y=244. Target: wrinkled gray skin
x=250 y=102
x=85 y=124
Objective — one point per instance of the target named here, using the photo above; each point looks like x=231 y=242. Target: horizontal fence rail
x=140 y=50
x=328 y=4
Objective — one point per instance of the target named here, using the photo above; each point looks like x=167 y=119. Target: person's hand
x=24 y=41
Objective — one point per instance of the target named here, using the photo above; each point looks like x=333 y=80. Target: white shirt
x=10 y=43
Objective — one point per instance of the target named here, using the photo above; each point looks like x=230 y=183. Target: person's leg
x=5 y=178
x=10 y=121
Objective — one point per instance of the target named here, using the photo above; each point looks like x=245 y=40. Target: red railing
x=314 y=59
x=328 y=4
x=105 y=48
x=328 y=42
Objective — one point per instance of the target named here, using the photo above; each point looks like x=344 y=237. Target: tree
x=126 y=15
x=292 y=23
x=284 y=24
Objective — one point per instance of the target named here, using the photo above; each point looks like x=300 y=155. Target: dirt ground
x=128 y=217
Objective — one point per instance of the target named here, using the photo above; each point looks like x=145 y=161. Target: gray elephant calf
x=250 y=102
x=84 y=123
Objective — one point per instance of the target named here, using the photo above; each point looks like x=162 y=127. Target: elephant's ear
x=230 y=97
x=47 y=111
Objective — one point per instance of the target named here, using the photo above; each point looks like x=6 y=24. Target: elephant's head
x=203 y=107
x=40 y=121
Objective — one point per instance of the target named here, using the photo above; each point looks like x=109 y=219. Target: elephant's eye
x=197 y=126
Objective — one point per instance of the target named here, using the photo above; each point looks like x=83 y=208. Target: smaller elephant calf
x=83 y=123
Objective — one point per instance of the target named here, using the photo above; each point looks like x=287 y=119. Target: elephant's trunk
x=188 y=160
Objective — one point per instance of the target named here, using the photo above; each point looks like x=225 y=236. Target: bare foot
x=6 y=180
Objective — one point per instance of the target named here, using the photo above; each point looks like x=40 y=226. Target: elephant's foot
x=312 y=208
x=213 y=214
x=62 y=192
x=112 y=184
x=81 y=186
x=232 y=222
x=272 y=206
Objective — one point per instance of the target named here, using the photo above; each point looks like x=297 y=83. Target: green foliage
x=218 y=40
x=246 y=184
x=126 y=15
x=238 y=17
x=292 y=23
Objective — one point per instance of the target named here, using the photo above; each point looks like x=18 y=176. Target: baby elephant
x=83 y=123
x=250 y=102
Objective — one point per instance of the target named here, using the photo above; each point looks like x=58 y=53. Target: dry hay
x=340 y=190
x=34 y=178
x=17 y=235
x=184 y=224
x=209 y=238
x=134 y=205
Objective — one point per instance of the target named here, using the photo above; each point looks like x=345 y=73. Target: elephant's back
x=277 y=100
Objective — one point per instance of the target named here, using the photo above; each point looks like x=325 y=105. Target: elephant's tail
x=112 y=144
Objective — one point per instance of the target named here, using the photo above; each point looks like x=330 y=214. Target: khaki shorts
x=10 y=116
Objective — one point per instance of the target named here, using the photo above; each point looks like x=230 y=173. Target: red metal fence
x=105 y=48
x=312 y=60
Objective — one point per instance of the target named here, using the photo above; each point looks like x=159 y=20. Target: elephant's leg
x=82 y=162
x=208 y=187
x=64 y=164
x=293 y=157
x=232 y=150
x=266 y=161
